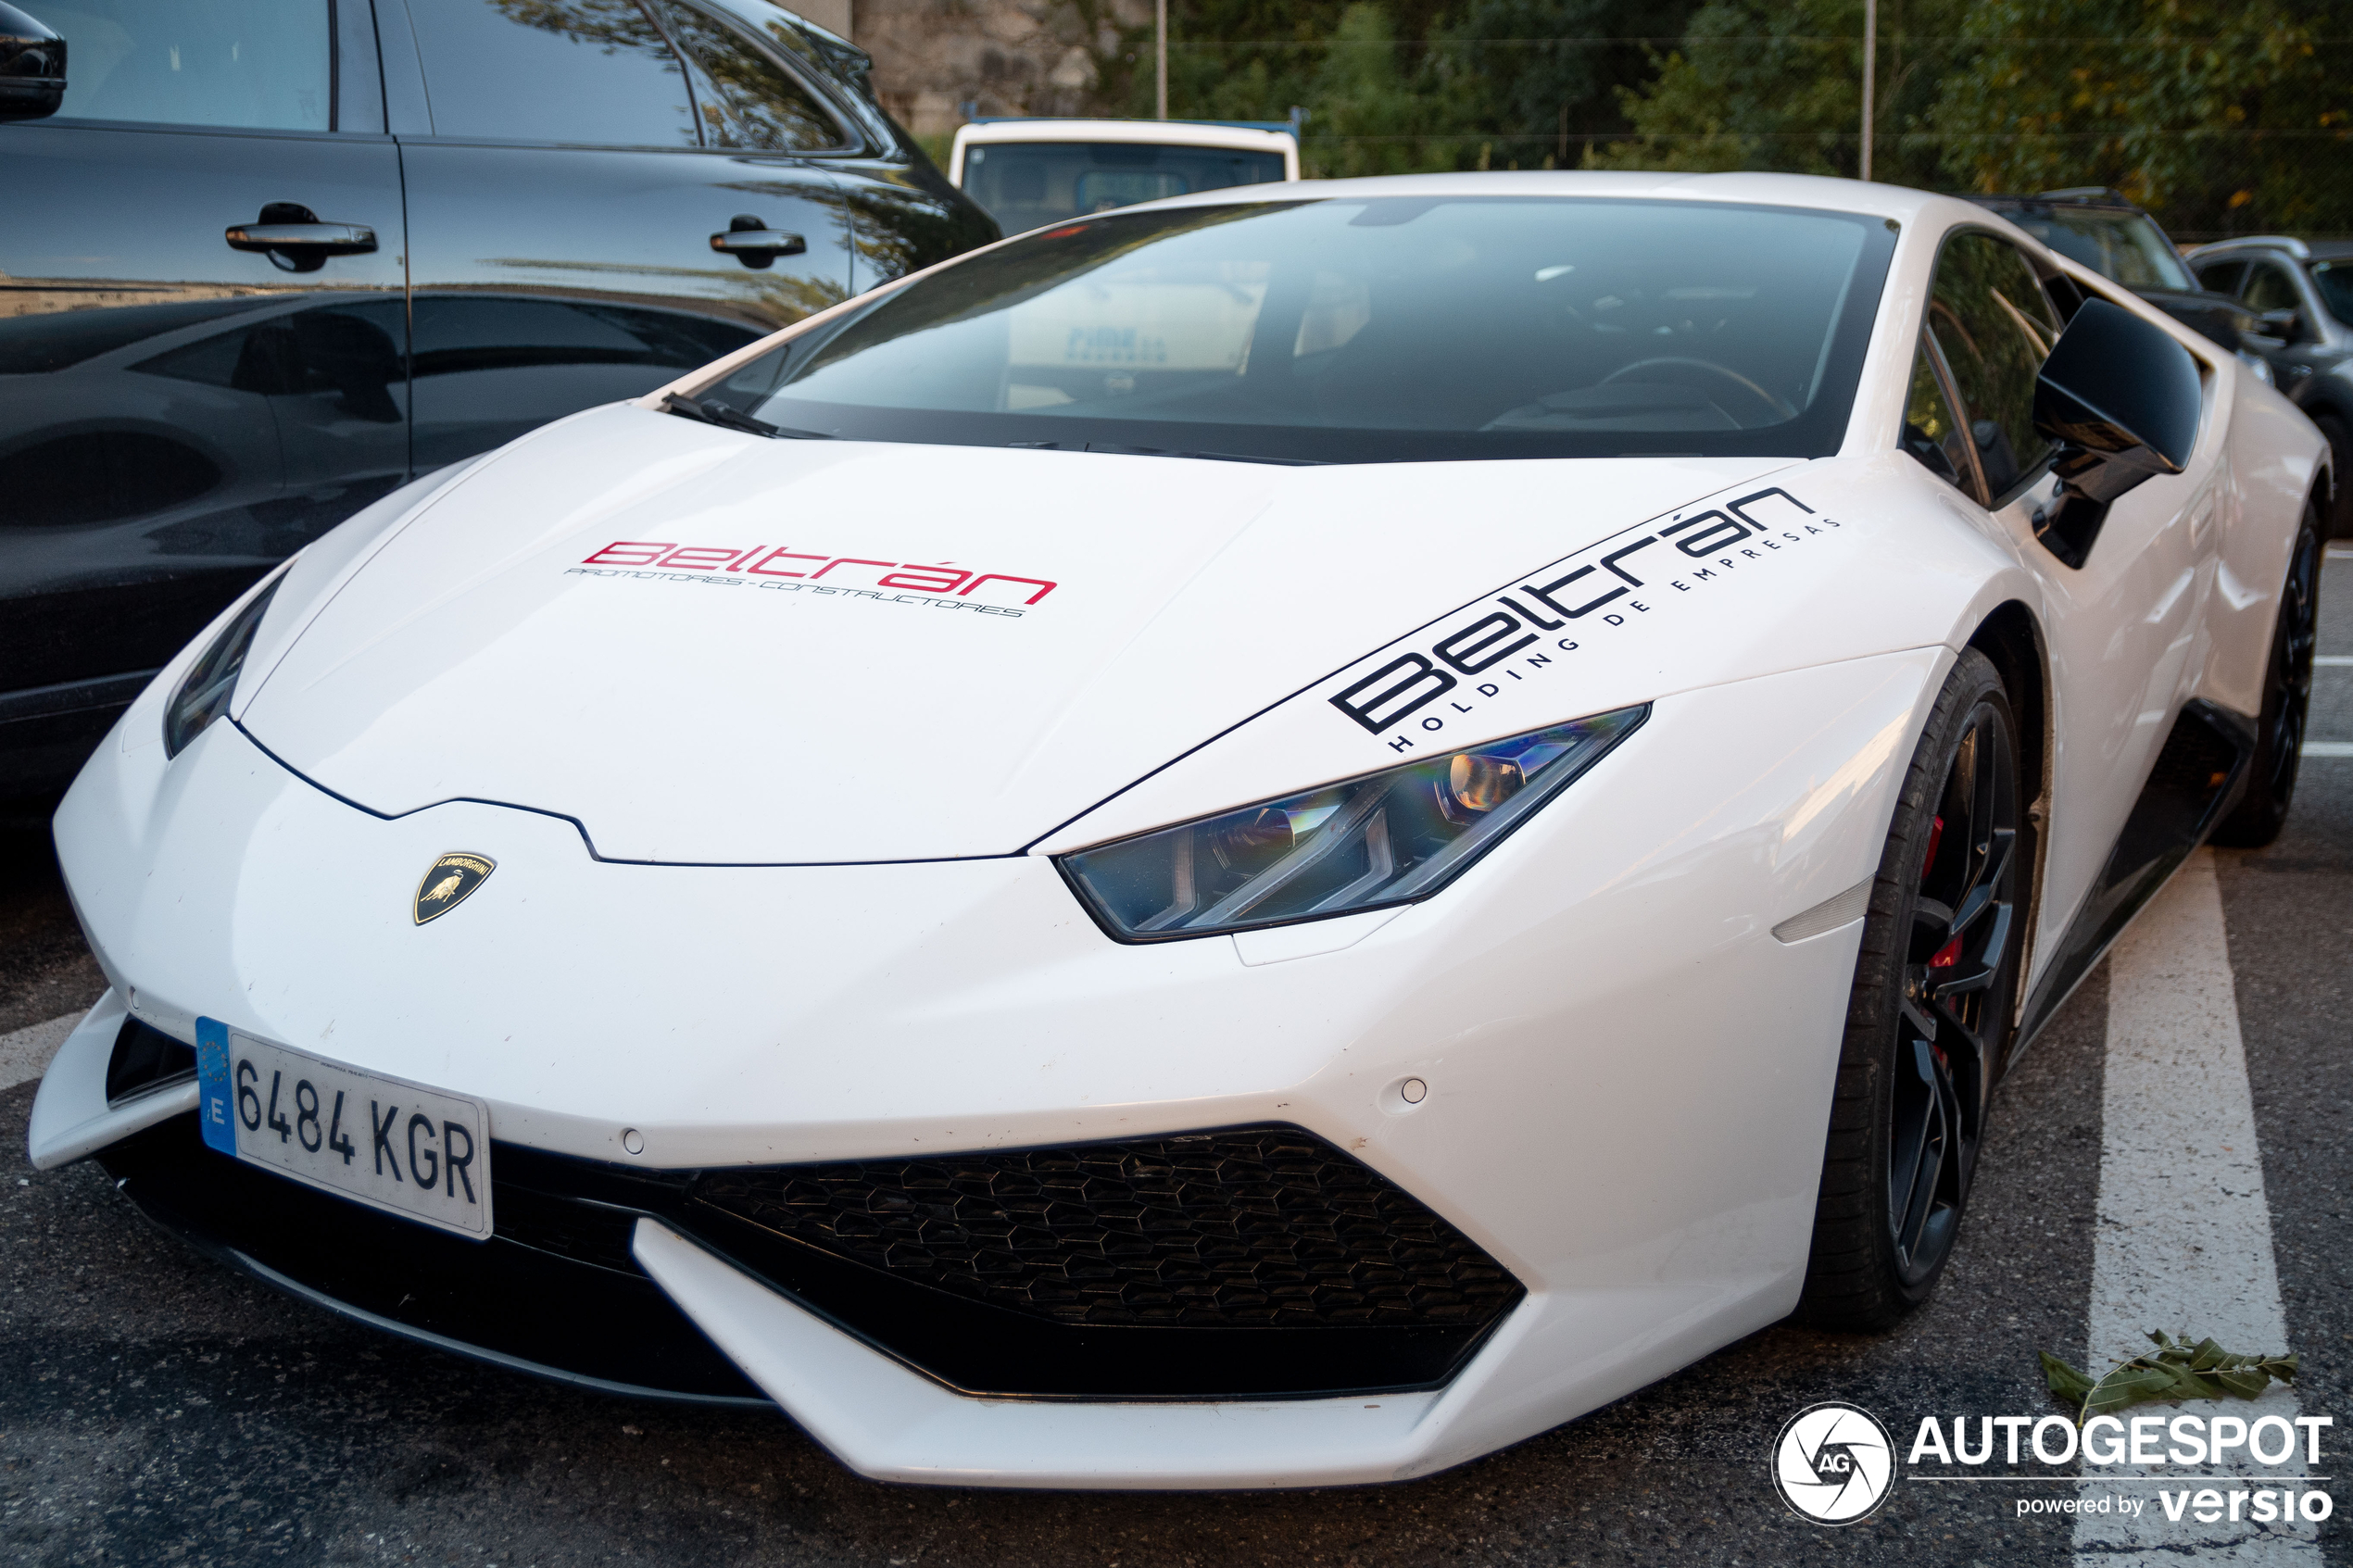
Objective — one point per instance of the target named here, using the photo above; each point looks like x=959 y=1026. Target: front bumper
x=1627 y=1074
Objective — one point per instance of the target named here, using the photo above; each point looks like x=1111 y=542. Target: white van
x=1028 y=173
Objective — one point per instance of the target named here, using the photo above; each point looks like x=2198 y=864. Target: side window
x=746 y=98
x=1989 y=318
x=2221 y=277
x=2334 y=280
x=1931 y=434
x=2270 y=288
x=252 y=64
x=592 y=71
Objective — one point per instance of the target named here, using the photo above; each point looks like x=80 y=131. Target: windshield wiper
x=1122 y=450
x=728 y=418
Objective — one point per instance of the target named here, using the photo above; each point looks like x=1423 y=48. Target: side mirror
x=32 y=66
x=2282 y=324
x=2121 y=400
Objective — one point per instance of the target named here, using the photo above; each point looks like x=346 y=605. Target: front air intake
x=1256 y=1262
x=1262 y=1228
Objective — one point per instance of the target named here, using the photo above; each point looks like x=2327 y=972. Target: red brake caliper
x=1949 y=954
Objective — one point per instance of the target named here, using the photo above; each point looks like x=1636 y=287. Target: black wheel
x=2337 y=511
x=2288 y=694
x=1934 y=1000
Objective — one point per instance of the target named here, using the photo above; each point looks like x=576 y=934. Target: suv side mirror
x=32 y=66
x=2121 y=400
x=2282 y=324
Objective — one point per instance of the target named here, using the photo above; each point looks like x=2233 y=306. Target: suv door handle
x=296 y=241
x=754 y=244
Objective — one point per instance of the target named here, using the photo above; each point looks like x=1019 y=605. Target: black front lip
x=500 y=1301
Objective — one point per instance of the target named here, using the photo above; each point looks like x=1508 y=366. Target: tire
x=2287 y=695
x=2337 y=515
x=1934 y=1001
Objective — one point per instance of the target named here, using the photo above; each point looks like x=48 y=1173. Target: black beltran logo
x=448 y=882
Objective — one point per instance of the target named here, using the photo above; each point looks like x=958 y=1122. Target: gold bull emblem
x=449 y=882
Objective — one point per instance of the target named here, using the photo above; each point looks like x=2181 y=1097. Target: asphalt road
x=154 y=1408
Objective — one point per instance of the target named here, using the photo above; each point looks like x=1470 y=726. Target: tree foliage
x=2219 y=115
x=1765 y=85
x=2203 y=111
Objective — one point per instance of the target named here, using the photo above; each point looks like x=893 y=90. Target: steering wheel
x=1780 y=408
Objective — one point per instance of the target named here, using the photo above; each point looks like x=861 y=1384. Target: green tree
x=1367 y=106
x=2217 y=116
x=1779 y=86
x=1523 y=75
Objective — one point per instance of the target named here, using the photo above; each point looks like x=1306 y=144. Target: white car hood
x=983 y=644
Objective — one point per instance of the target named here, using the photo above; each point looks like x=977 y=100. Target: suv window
x=593 y=72
x=746 y=98
x=2120 y=244
x=255 y=65
x=2221 y=277
x=1988 y=317
x=2270 y=288
x=2334 y=280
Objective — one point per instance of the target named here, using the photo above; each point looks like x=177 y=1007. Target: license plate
x=421 y=1153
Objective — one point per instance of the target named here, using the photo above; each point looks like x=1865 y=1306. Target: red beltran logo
x=857 y=571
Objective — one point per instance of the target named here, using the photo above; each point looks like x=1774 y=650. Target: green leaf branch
x=2177 y=1369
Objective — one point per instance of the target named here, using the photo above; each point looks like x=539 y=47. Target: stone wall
x=933 y=57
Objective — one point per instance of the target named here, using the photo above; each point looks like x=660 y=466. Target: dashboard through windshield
x=1361 y=330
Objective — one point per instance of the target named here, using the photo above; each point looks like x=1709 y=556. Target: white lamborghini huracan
x=1276 y=838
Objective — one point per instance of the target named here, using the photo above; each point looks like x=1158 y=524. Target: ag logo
x=1834 y=1463
x=447 y=883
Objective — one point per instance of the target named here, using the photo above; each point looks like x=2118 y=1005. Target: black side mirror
x=2282 y=324
x=32 y=66
x=2121 y=400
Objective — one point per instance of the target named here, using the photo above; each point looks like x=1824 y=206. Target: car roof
x=2277 y=245
x=1820 y=192
x=2108 y=202
x=1157 y=133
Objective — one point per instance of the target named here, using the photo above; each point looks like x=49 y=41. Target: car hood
x=710 y=648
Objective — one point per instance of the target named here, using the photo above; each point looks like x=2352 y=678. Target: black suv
x=2106 y=231
x=2301 y=296
x=264 y=260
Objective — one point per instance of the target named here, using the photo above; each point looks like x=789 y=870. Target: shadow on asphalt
x=45 y=970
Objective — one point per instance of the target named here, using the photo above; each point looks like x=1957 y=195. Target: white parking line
x=2333 y=658
x=24 y=1055
x=2327 y=748
x=2185 y=1237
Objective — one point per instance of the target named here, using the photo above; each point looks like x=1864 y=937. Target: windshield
x=2127 y=246
x=1363 y=329
x=1024 y=185
x=2335 y=281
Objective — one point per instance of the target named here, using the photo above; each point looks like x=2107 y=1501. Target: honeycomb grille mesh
x=1261 y=1227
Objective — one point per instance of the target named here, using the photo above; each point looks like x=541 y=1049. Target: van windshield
x=1024 y=185
x=1363 y=330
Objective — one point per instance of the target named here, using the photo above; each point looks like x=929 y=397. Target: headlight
x=1388 y=837
x=205 y=692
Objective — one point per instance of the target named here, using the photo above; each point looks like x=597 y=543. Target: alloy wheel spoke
x=1989 y=961
x=1984 y=885
x=1927 y=1149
